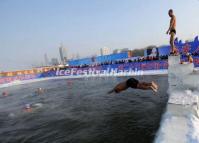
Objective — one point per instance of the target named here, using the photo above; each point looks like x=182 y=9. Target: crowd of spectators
x=183 y=55
x=195 y=54
x=123 y=61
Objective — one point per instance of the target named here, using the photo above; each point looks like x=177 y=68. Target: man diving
x=134 y=83
x=172 y=32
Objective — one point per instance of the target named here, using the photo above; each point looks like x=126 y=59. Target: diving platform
x=180 y=122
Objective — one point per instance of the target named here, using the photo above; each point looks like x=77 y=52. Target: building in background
x=46 y=60
x=116 y=51
x=125 y=50
x=63 y=54
x=105 y=51
x=54 y=62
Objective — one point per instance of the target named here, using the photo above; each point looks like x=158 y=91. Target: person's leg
x=172 y=36
x=146 y=83
x=143 y=87
x=146 y=86
x=153 y=84
x=154 y=89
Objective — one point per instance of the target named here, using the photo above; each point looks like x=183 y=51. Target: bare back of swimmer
x=134 y=83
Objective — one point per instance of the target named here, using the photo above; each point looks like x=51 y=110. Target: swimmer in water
x=39 y=91
x=28 y=108
x=5 y=93
x=134 y=83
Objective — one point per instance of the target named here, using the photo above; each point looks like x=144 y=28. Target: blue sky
x=31 y=28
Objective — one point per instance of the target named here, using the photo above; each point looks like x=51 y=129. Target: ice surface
x=173 y=130
x=180 y=123
x=173 y=60
x=183 y=97
x=191 y=81
x=193 y=132
x=181 y=69
x=178 y=129
x=177 y=71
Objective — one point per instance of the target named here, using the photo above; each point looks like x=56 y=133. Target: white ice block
x=191 y=81
x=183 y=97
x=181 y=69
x=180 y=123
x=174 y=127
x=176 y=73
x=173 y=60
x=175 y=81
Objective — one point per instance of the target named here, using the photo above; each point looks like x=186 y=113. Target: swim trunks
x=132 y=82
x=173 y=30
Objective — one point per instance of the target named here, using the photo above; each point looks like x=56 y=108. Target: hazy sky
x=31 y=28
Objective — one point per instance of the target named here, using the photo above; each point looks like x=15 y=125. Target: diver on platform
x=134 y=83
x=172 y=32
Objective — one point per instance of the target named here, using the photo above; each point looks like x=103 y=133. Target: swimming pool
x=81 y=111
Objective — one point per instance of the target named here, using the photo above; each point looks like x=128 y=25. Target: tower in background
x=63 y=54
x=46 y=60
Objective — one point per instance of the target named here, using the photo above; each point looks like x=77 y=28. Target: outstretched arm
x=111 y=91
x=120 y=87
